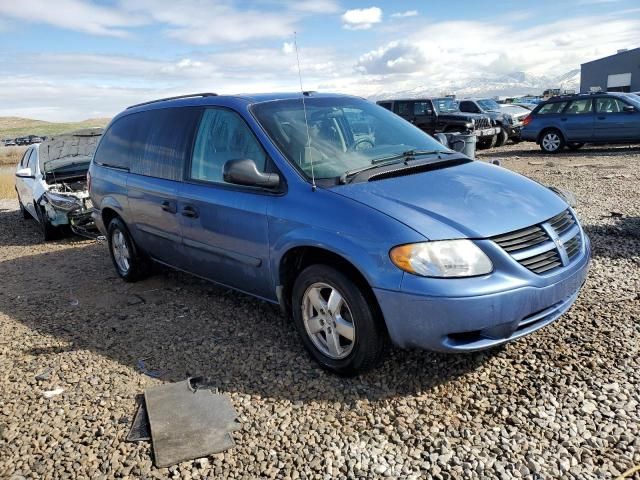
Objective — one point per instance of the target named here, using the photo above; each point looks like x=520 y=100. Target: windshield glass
x=489 y=104
x=445 y=105
x=346 y=134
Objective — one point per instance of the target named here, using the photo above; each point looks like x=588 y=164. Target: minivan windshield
x=346 y=134
x=446 y=105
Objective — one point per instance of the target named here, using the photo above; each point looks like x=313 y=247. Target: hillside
x=11 y=127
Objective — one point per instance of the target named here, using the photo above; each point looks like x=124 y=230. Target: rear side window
x=549 y=108
x=404 y=108
x=116 y=148
x=222 y=136
x=155 y=143
x=580 y=107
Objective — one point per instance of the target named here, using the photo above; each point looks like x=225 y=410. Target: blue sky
x=73 y=59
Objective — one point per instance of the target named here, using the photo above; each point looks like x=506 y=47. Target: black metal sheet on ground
x=140 y=430
x=188 y=423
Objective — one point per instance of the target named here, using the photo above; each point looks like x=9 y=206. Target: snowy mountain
x=511 y=85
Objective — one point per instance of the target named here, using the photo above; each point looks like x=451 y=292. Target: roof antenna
x=304 y=109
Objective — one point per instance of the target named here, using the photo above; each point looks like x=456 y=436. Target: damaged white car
x=51 y=182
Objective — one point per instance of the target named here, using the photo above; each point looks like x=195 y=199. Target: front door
x=25 y=184
x=613 y=123
x=224 y=226
x=577 y=120
x=423 y=116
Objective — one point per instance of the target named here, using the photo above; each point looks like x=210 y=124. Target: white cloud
x=73 y=15
x=361 y=18
x=288 y=47
x=316 y=6
x=395 y=57
x=408 y=13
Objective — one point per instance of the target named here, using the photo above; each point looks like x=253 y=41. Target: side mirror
x=24 y=173
x=628 y=108
x=244 y=171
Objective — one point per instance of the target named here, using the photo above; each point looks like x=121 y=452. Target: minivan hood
x=472 y=200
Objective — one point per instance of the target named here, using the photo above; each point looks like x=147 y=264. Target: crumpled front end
x=66 y=204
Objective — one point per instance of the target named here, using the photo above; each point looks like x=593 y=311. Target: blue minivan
x=361 y=226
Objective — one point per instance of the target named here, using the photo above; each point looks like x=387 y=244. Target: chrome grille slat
x=516 y=234
x=525 y=245
x=532 y=260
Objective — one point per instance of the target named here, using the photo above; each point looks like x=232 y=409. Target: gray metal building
x=615 y=73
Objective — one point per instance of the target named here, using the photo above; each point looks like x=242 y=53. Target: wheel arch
x=299 y=257
x=548 y=129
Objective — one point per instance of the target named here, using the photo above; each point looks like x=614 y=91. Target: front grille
x=482 y=123
x=535 y=249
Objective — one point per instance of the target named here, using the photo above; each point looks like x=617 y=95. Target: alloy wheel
x=120 y=250
x=328 y=320
x=551 y=142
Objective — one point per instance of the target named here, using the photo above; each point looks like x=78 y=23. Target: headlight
x=446 y=258
x=469 y=125
x=63 y=202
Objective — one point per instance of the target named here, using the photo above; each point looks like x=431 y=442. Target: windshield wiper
x=405 y=157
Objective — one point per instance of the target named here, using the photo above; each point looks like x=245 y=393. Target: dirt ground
x=562 y=403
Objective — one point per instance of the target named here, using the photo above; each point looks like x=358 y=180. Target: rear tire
x=575 y=146
x=552 y=141
x=343 y=333
x=130 y=264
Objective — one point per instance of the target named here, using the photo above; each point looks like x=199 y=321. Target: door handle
x=563 y=119
x=168 y=206
x=602 y=118
x=189 y=211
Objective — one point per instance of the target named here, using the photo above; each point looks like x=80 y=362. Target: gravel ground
x=562 y=403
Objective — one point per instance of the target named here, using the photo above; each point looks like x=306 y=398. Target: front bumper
x=459 y=324
x=486 y=132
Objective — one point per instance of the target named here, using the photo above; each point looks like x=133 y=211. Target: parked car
x=442 y=115
x=509 y=121
x=358 y=238
x=10 y=142
x=574 y=120
x=51 y=183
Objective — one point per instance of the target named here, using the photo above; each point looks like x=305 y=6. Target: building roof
x=632 y=51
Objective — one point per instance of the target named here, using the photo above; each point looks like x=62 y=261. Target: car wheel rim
x=551 y=141
x=328 y=320
x=120 y=251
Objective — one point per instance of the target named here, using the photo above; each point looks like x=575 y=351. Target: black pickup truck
x=435 y=115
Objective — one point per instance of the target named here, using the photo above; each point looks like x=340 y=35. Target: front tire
x=552 y=141
x=575 y=146
x=336 y=321
x=130 y=264
x=502 y=138
x=49 y=232
x=487 y=143
x=25 y=213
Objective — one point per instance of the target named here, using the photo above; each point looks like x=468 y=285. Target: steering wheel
x=361 y=141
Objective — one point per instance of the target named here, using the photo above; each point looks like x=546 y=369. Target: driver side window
x=222 y=136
